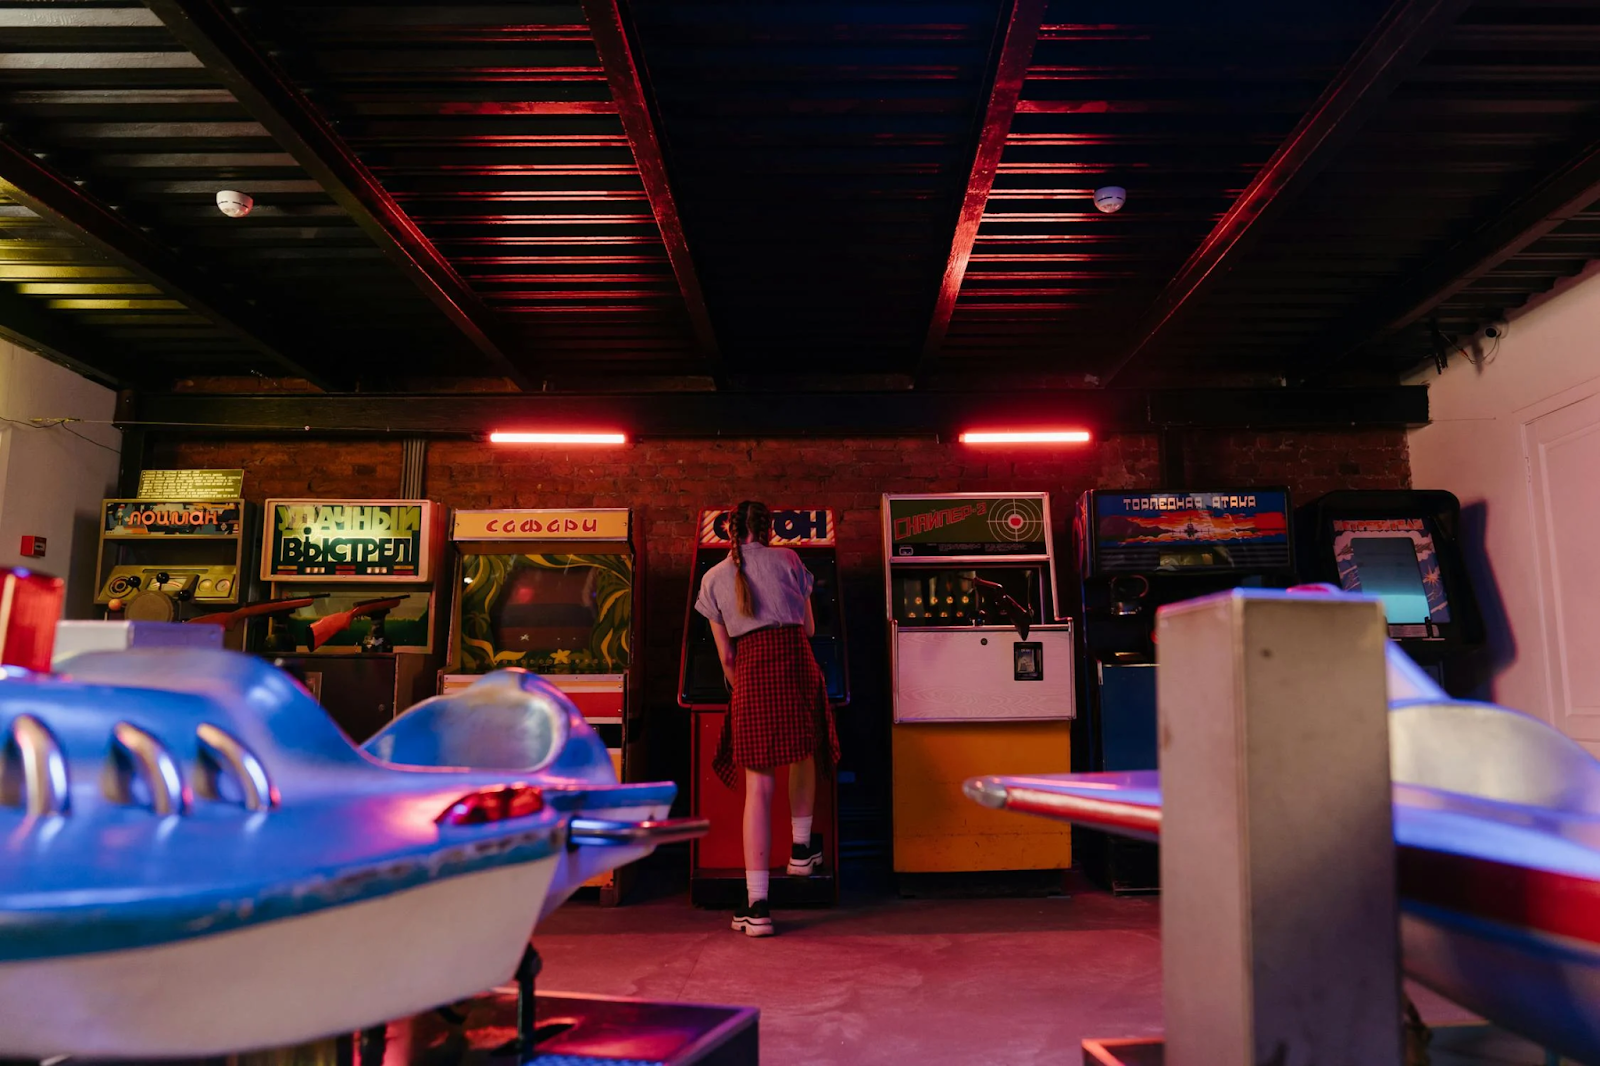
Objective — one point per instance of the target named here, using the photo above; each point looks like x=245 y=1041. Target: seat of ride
x=508 y=720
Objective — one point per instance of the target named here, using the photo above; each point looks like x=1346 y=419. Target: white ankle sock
x=802 y=829
x=755 y=884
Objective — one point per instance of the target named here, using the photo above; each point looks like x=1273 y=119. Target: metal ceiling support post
x=413 y=462
x=211 y=31
x=617 y=55
x=1406 y=33
x=41 y=189
x=1017 y=38
x=135 y=444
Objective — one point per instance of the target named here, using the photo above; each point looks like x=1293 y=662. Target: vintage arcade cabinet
x=367 y=646
x=1136 y=552
x=983 y=672
x=177 y=551
x=556 y=592
x=717 y=859
x=1404 y=546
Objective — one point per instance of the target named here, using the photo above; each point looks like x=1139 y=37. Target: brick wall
x=1309 y=463
x=668 y=482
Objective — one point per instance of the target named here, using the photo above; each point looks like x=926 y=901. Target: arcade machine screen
x=966 y=596
x=569 y=613
x=1393 y=559
x=717 y=874
x=1402 y=546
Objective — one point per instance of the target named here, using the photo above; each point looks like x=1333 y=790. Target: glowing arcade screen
x=546 y=589
x=1393 y=559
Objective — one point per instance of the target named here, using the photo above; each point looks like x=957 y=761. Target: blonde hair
x=749 y=518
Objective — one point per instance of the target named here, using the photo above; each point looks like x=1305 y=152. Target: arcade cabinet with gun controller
x=717 y=863
x=1138 y=551
x=361 y=617
x=983 y=667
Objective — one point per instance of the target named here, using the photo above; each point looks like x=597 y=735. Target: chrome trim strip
x=135 y=749
x=33 y=755
x=608 y=833
x=220 y=749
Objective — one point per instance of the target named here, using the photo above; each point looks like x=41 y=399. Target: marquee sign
x=1144 y=532
x=602 y=523
x=967 y=526
x=791 y=528
x=145 y=519
x=372 y=541
x=220 y=485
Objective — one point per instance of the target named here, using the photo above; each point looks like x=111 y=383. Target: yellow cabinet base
x=938 y=830
x=608 y=880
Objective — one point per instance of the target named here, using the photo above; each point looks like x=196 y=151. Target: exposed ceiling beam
x=794 y=414
x=58 y=338
x=210 y=30
x=1570 y=189
x=1015 y=41
x=34 y=184
x=1395 y=45
x=621 y=63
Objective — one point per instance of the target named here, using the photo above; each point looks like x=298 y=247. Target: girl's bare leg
x=803 y=788
x=758 y=788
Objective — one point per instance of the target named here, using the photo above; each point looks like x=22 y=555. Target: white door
x=1563 y=452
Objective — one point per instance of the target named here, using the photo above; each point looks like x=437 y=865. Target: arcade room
x=801 y=532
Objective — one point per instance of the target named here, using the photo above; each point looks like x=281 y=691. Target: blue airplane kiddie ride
x=195 y=861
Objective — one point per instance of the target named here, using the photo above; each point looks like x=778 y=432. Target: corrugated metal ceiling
x=671 y=193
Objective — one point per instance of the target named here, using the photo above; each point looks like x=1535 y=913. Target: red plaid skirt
x=779 y=714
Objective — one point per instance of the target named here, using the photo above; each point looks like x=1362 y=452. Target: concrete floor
x=998 y=982
x=880 y=979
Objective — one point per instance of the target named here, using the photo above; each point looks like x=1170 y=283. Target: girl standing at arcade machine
x=758 y=601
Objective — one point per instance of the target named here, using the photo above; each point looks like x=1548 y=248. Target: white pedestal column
x=1279 y=920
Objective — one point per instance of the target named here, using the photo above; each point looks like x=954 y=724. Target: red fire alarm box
x=33 y=547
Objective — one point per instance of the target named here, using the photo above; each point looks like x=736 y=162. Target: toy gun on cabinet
x=327 y=627
x=266 y=608
x=1020 y=616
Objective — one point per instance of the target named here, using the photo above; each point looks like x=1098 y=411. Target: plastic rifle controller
x=1020 y=616
x=326 y=628
x=266 y=608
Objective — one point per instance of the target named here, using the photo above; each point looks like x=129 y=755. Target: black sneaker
x=805 y=859
x=753 y=919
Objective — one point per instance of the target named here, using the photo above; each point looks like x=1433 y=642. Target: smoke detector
x=234 y=204
x=1110 y=198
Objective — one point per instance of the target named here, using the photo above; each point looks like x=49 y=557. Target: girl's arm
x=725 y=647
x=811 y=620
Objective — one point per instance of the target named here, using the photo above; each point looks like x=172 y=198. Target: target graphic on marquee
x=1017 y=520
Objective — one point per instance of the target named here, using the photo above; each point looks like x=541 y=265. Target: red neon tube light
x=542 y=437
x=1026 y=436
